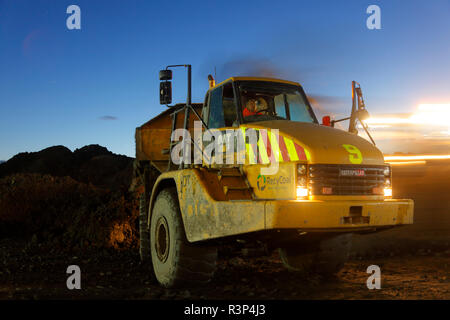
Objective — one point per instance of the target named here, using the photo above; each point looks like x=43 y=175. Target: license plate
x=352 y=172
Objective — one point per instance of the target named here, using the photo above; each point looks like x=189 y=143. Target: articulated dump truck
x=297 y=186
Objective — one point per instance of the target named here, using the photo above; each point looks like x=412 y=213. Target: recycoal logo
x=272 y=183
x=261 y=182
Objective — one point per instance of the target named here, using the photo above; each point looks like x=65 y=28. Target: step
x=227 y=189
x=228 y=173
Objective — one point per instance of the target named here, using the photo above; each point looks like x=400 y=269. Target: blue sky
x=57 y=85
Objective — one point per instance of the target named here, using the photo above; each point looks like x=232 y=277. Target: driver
x=250 y=108
x=261 y=106
x=255 y=107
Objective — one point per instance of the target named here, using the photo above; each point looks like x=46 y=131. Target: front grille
x=326 y=179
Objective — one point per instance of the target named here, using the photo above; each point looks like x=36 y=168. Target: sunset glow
x=417 y=157
x=426 y=114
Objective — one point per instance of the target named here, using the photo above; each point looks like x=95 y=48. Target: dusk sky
x=97 y=84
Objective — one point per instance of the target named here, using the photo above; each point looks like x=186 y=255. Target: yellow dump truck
x=296 y=186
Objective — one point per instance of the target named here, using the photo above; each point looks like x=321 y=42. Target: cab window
x=222 y=107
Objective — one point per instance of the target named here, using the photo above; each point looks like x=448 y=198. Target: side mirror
x=165 y=75
x=326 y=121
x=165 y=92
x=362 y=114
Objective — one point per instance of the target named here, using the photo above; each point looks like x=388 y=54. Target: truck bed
x=154 y=136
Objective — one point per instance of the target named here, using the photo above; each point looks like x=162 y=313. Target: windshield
x=263 y=101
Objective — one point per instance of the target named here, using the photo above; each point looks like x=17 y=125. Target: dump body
x=153 y=137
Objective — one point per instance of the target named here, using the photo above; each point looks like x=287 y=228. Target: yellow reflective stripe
x=262 y=147
x=291 y=149
x=249 y=149
x=275 y=147
x=308 y=156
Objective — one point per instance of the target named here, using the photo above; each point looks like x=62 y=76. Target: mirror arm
x=343 y=119
x=367 y=131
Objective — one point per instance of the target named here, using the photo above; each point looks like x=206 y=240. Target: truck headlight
x=388 y=192
x=302 y=185
x=387 y=181
x=302 y=192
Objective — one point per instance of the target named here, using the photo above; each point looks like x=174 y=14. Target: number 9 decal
x=355 y=155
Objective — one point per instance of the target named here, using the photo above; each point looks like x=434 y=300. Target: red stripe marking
x=300 y=152
x=283 y=149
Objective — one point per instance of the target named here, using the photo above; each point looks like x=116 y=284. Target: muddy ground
x=414 y=260
x=119 y=275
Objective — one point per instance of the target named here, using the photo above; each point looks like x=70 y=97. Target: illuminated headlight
x=388 y=192
x=387 y=181
x=302 y=192
x=302 y=185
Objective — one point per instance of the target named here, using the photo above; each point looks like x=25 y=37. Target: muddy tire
x=327 y=258
x=176 y=262
x=144 y=234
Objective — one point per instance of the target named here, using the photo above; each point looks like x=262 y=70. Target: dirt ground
x=112 y=275
x=414 y=262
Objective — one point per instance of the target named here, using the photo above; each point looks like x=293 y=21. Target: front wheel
x=326 y=258
x=175 y=261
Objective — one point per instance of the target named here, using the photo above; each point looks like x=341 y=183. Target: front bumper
x=338 y=215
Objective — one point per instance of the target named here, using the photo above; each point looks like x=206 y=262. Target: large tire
x=144 y=234
x=175 y=261
x=327 y=258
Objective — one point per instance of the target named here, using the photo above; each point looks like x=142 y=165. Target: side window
x=229 y=106
x=216 y=119
x=298 y=108
x=205 y=109
x=280 y=106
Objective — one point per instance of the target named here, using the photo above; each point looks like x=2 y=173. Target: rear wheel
x=326 y=258
x=176 y=262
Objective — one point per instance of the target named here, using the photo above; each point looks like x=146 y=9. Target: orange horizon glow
x=405 y=163
x=426 y=114
x=417 y=157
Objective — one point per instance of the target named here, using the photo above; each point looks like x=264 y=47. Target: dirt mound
x=90 y=164
x=69 y=199
x=66 y=213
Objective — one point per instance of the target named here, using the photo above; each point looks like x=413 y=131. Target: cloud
x=107 y=118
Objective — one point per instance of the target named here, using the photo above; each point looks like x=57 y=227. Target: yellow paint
x=316 y=215
x=256 y=79
x=278 y=186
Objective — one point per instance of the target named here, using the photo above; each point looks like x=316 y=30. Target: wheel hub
x=162 y=239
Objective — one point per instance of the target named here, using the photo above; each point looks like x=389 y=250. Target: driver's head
x=251 y=105
x=261 y=104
